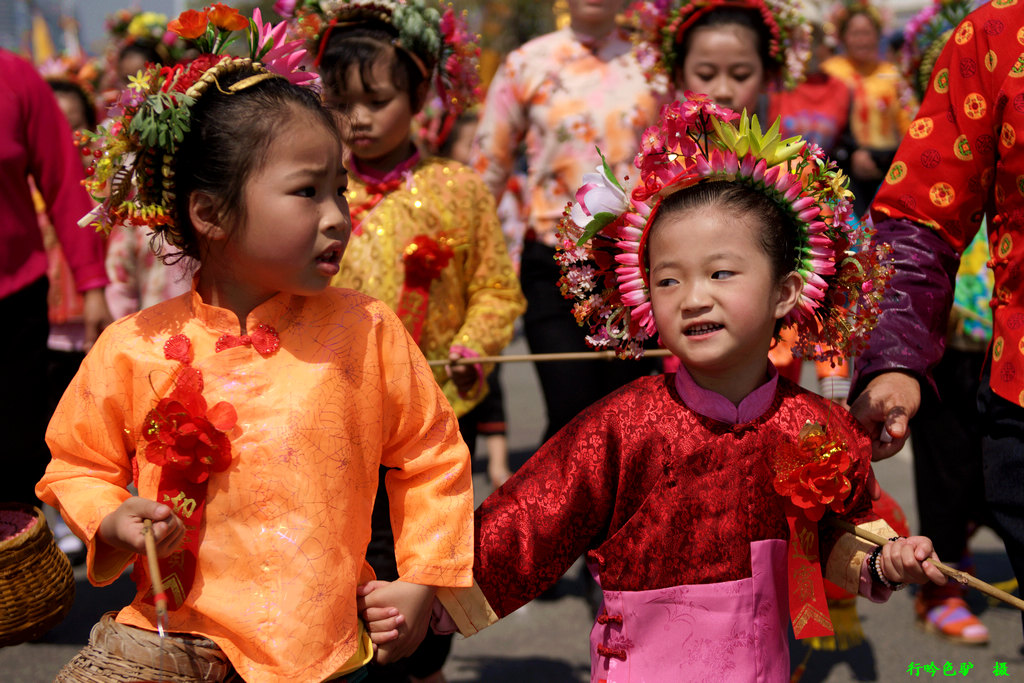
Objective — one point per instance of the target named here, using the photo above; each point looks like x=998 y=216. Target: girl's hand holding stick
x=959 y=576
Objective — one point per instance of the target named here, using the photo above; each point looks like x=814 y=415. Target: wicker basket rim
x=32 y=533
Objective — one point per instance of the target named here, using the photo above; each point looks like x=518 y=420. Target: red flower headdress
x=437 y=38
x=131 y=177
x=663 y=23
x=603 y=236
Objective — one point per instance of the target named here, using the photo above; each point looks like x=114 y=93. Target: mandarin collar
x=716 y=407
x=595 y=45
x=278 y=311
x=370 y=176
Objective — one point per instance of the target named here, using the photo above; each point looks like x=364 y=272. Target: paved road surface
x=547 y=640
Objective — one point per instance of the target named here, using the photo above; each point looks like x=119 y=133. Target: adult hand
x=96 y=314
x=885 y=408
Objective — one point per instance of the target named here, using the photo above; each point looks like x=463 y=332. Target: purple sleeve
x=911 y=330
x=56 y=166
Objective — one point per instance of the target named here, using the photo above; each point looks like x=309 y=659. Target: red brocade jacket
x=657 y=496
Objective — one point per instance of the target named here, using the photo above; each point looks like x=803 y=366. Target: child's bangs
x=364 y=52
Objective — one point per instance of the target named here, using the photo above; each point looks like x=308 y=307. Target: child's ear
x=788 y=293
x=205 y=216
x=422 y=90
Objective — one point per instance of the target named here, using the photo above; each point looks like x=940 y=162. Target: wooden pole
x=159 y=596
x=542 y=357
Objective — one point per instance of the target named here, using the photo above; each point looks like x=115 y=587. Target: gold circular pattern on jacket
x=962 y=149
x=941 y=194
x=921 y=128
x=897 y=172
x=964 y=33
x=975 y=106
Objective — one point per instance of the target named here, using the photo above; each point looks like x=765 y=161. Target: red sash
x=812 y=478
x=187 y=441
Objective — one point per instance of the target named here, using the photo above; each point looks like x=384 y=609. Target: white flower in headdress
x=599 y=201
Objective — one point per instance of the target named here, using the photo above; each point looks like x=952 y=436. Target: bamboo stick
x=541 y=357
x=159 y=596
x=959 y=576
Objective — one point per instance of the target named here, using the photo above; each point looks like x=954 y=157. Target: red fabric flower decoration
x=226 y=18
x=812 y=475
x=196 y=68
x=424 y=260
x=184 y=434
x=190 y=24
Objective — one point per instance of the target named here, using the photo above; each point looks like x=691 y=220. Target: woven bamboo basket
x=37 y=585
x=118 y=653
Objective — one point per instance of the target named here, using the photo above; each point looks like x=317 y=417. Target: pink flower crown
x=437 y=39
x=603 y=236
x=926 y=34
x=662 y=23
x=131 y=176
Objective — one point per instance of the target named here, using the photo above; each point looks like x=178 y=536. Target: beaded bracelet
x=875 y=569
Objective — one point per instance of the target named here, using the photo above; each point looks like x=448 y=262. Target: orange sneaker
x=949 y=617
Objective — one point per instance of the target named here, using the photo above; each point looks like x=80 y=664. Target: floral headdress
x=440 y=43
x=132 y=175
x=842 y=12
x=603 y=236
x=925 y=36
x=84 y=73
x=127 y=27
x=662 y=24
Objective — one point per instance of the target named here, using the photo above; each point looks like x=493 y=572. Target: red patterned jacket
x=960 y=161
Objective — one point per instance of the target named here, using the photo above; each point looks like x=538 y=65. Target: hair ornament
x=662 y=24
x=926 y=34
x=131 y=176
x=847 y=9
x=130 y=27
x=603 y=235
x=79 y=71
x=435 y=37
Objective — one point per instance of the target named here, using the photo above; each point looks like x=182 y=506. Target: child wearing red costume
x=700 y=497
